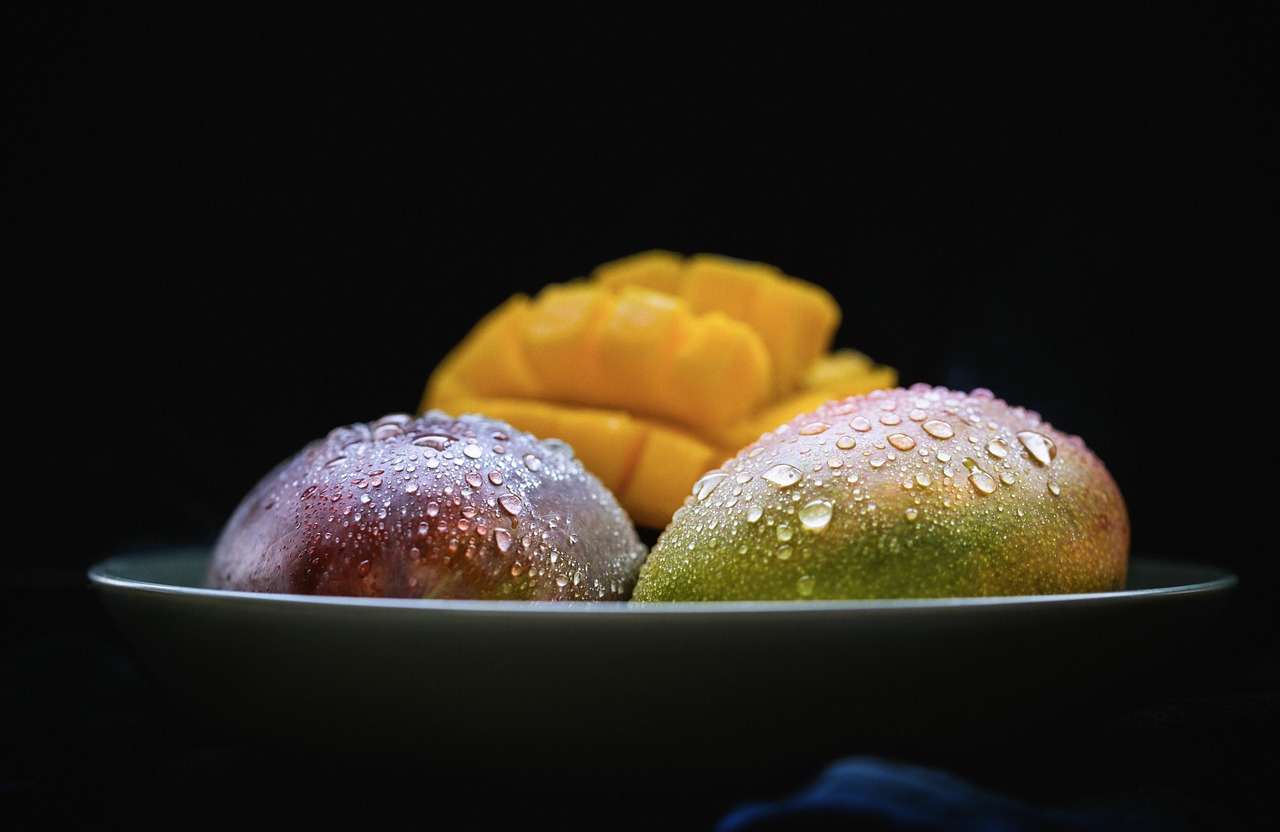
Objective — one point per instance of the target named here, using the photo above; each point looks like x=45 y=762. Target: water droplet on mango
x=816 y=515
x=783 y=475
x=982 y=481
x=1040 y=447
x=703 y=487
x=939 y=429
x=901 y=441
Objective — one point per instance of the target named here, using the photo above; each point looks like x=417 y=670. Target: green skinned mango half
x=917 y=492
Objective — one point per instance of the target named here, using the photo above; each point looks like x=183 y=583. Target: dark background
x=237 y=232
x=248 y=231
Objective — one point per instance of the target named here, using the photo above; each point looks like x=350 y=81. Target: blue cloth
x=878 y=794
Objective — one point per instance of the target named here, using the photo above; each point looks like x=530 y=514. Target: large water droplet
x=860 y=423
x=844 y=443
x=754 y=513
x=981 y=480
x=901 y=441
x=532 y=462
x=783 y=553
x=816 y=515
x=510 y=503
x=472 y=451
x=939 y=429
x=813 y=428
x=804 y=585
x=785 y=532
x=1040 y=447
x=783 y=475
x=473 y=479
x=702 y=488
x=997 y=448
x=502 y=538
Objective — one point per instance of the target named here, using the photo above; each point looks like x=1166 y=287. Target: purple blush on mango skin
x=430 y=507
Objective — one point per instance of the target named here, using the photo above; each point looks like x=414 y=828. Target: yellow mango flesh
x=655 y=368
x=796 y=320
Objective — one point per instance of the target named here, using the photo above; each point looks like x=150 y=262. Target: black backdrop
x=246 y=231
x=231 y=231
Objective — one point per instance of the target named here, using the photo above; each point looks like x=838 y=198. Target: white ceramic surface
x=669 y=681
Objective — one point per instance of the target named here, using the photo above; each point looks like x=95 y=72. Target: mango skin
x=435 y=506
x=917 y=492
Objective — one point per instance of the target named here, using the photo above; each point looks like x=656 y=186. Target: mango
x=655 y=367
x=918 y=492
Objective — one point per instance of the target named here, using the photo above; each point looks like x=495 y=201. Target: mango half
x=918 y=492
x=655 y=367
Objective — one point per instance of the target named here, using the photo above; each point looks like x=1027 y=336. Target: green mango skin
x=916 y=492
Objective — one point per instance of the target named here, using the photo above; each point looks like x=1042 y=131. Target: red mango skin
x=430 y=507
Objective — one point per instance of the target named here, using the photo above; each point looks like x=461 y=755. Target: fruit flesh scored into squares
x=655 y=367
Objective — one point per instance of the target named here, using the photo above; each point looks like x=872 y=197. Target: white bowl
x=683 y=683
